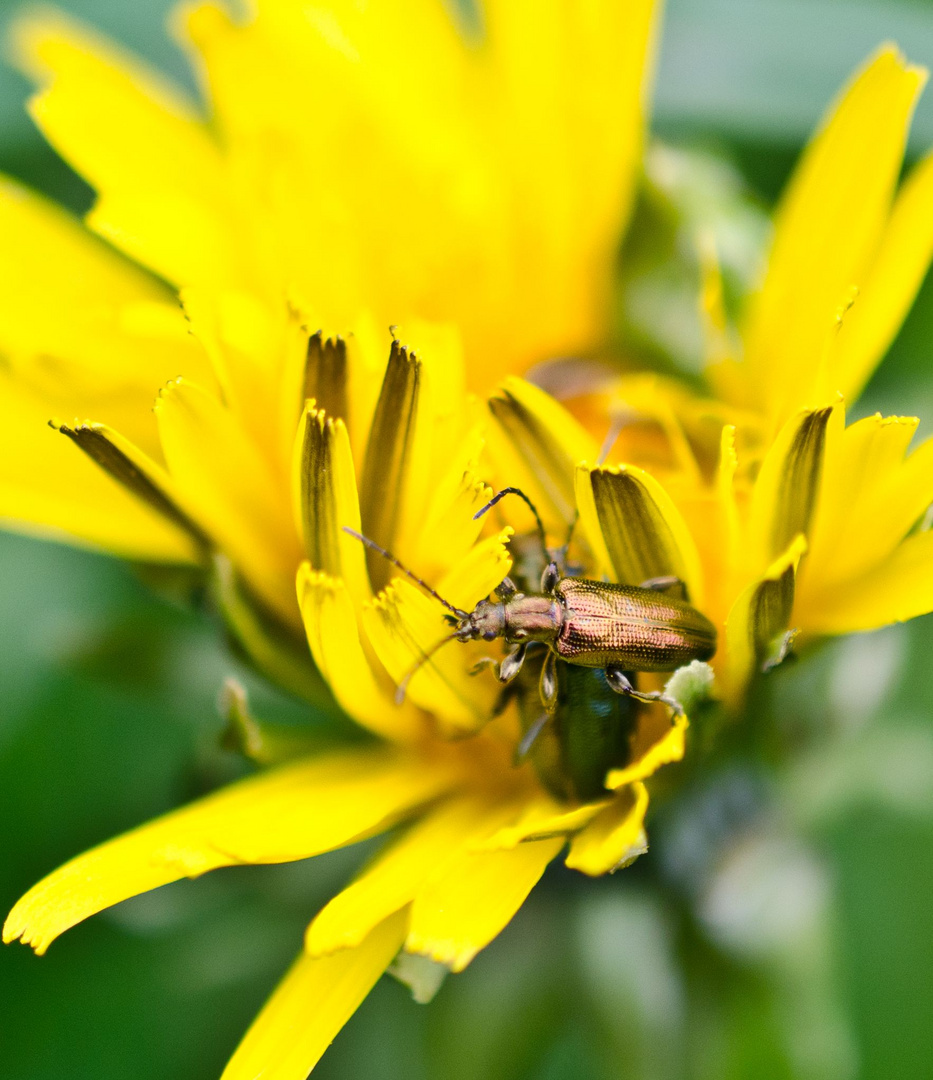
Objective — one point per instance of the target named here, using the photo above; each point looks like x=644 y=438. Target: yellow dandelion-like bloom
x=804 y=526
x=360 y=169
x=266 y=441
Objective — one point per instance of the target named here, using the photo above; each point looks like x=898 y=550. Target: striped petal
x=760 y=616
x=397 y=466
x=614 y=837
x=635 y=529
x=536 y=445
x=327 y=502
x=787 y=486
x=463 y=907
x=279 y=816
x=138 y=474
x=48 y=488
x=311 y=1004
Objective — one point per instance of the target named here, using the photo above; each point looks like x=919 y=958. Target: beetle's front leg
x=619 y=682
x=507 y=668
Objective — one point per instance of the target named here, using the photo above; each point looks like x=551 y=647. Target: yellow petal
x=897 y=589
x=647 y=759
x=536 y=445
x=49 y=488
x=157 y=173
x=541 y=819
x=72 y=314
x=398 y=872
x=327 y=502
x=871 y=496
x=760 y=614
x=471 y=900
x=497 y=199
x=397 y=467
x=403 y=626
x=311 y=1004
x=614 y=837
x=635 y=529
x=331 y=625
x=481 y=570
x=787 y=486
x=227 y=488
x=279 y=816
x=826 y=231
x=138 y=474
x=896 y=273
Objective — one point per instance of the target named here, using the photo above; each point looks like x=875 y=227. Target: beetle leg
x=506 y=589
x=547 y=684
x=507 y=668
x=666 y=583
x=550 y=577
x=530 y=738
x=619 y=682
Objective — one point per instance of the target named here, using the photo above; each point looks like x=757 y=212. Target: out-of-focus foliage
x=810 y=953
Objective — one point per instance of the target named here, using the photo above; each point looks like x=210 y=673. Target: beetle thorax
x=532 y=618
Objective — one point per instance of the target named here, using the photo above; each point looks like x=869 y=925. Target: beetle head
x=485 y=622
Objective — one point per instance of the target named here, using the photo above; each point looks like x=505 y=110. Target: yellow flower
x=358 y=169
x=481 y=829
x=803 y=525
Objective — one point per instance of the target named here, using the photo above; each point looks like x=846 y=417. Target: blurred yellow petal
x=614 y=837
x=461 y=909
x=542 y=819
x=227 y=488
x=635 y=529
x=872 y=494
x=888 y=290
x=647 y=759
x=331 y=625
x=536 y=445
x=432 y=205
x=897 y=589
x=311 y=1004
x=398 y=872
x=158 y=175
x=80 y=325
x=279 y=816
x=827 y=229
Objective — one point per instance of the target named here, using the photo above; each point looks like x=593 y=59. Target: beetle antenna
x=531 y=506
x=422 y=660
x=459 y=612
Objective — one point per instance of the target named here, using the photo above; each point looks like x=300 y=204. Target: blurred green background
x=807 y=950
